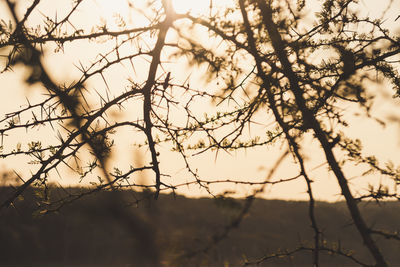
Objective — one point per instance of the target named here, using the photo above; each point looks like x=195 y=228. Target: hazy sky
x=252 y=165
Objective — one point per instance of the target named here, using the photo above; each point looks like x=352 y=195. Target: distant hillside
x=89 y=232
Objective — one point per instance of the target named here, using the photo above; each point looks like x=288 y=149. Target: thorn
x=166 y=81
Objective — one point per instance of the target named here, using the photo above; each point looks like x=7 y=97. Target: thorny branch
x=269 y=64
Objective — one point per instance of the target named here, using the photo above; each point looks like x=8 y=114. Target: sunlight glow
x=196 y=7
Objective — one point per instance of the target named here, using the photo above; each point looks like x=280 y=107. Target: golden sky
x=252 y=165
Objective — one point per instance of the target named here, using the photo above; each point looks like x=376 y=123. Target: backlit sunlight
x=198 y=7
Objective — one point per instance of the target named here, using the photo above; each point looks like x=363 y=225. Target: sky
x=252 y=164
